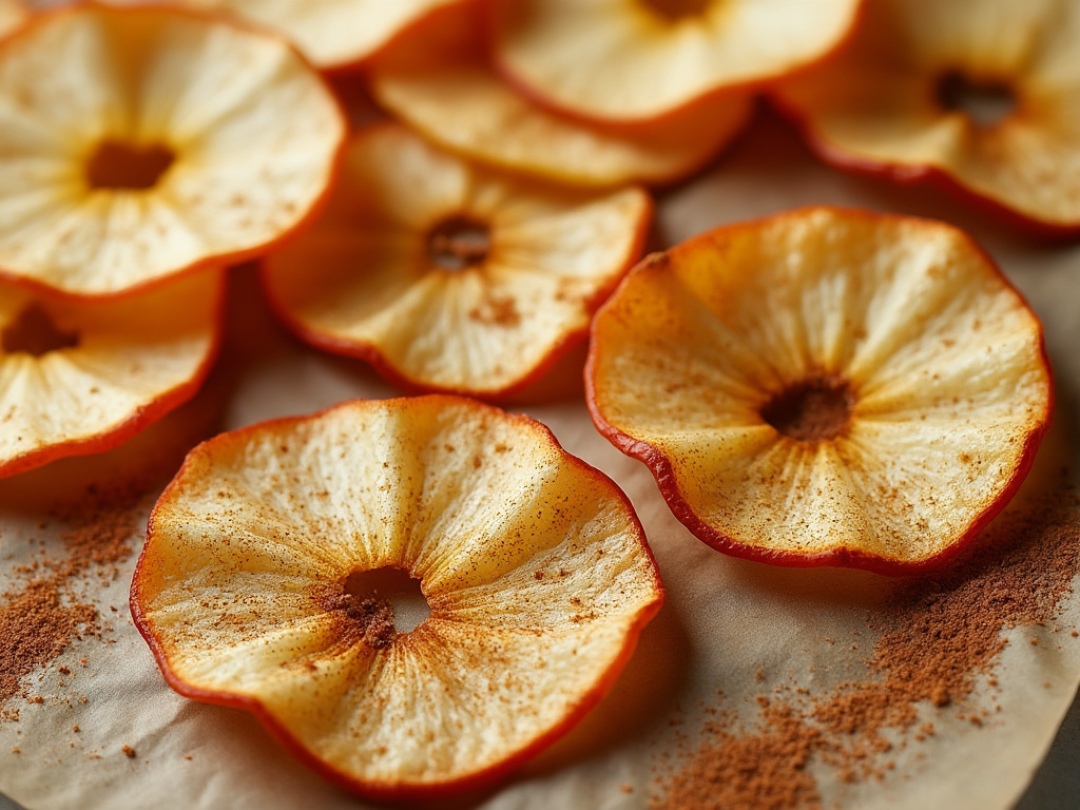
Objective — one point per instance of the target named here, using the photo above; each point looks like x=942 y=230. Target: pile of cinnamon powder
x=937 y=637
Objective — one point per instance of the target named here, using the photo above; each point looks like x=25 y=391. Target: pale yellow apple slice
x=82 y=377
x=449 y=276
x=623 y=60
x=332 y=33
x=439 y=80
x=533 y=564
x=141 y=142
x=984 y=96
x=825 y=387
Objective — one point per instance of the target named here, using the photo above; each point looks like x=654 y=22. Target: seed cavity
x=117 y=165
x=458 y=243
x=378 y=605
x=676 y=10
x=35 y=333
x=984 y=102
x=816 y=409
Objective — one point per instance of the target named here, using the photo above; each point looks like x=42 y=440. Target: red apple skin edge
x=371 y=354
x=629 y=124
x=388 y=791
x=666 y=480
x=217 y=260
x=909 y=175
x=141 y=418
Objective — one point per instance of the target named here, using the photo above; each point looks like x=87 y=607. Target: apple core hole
x=123 y=166
x=817 y=409
x=35 y=333
x=675 y=10
x=393 y=588
x=457 y=243
x=984 y=102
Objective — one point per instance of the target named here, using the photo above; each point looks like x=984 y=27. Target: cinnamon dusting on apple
x=677 y=10
x=117 y=165
x=985 y=102
x=35 y=333
x=458 y=243
x=816 y=409
x=377 y=606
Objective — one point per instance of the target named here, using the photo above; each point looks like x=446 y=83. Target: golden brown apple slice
x=141 y=142
x=439 y=80
x=825 y=387
x=449 y=276
x=78 y=378
x=533 y=564
x=625 y=60
x=12 y=14
x=981 y=95
x=332 y=33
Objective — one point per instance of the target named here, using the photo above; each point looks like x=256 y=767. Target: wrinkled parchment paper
x=724 y=619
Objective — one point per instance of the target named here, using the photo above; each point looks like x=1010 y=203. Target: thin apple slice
x=83 y=377
x=332 y=34
x=448 y=276
x=12 y=14
x=981 y=95
x=143 y=142
x=533 y=564
x=825 y=387
x=633 y=60
x=441 y=82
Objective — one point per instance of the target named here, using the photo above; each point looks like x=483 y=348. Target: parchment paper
x=724 y=619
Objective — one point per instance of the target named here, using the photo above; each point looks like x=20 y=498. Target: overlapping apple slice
x=983 y=94
x=441 y=82
x=825 y=387
x=332 y=33
x=142 y=142
x=626 y=60
x=78 y=378
x=449 y=276
x=254 y=588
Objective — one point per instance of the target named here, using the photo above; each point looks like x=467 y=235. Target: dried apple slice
x=250 y=590
x=825 y=387
x=83 y=377
x=12 y=14
x=624 y=60
x=332 y=34
x=449 y=276
x=439 y=80
x=142 y=142
x=980 y=95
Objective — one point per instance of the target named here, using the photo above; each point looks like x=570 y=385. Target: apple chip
x=440 y=81
x=255 y=588
x=83 y=377
x=980 y=94
x=449 y=276
x=623 y=60
x=825 y=387
x=12 y=14
x=142 y=142
x=332 y=33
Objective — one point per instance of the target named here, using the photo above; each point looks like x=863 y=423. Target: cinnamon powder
x=937 y=638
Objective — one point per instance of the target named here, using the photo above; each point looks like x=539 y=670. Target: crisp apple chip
x=12 y=14
x=141 y=142
x=825 y=387
x=533 y=564
x=982 y=94
x=332 y=33
x=82 y=377
x=448 y=276
x=440 y=81
x=624 y=60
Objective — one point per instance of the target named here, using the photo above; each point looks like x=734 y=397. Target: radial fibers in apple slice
x=449 y=276
x=825 y=387
x=980 y=94
x=142 y=142
x=632 y=60
x=254 y=588
x=337 y=34
x=82 y=377
x=441 y=82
